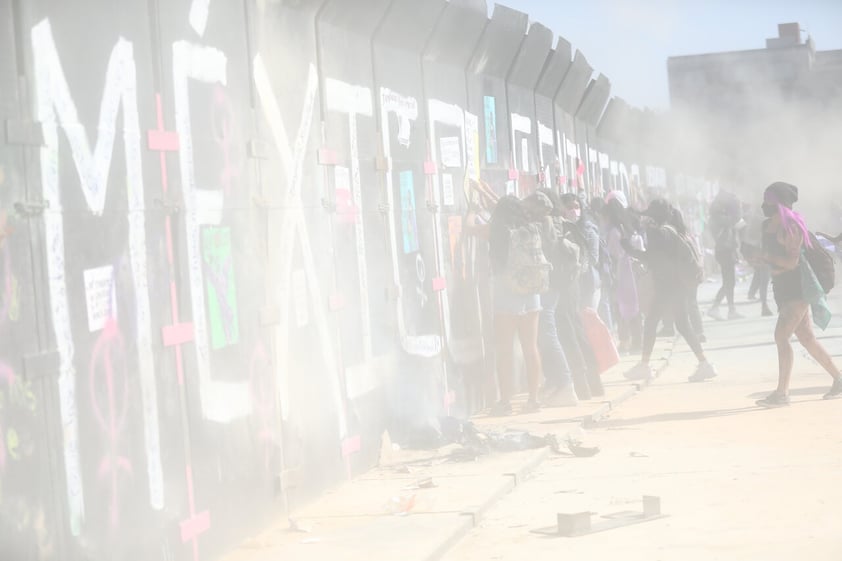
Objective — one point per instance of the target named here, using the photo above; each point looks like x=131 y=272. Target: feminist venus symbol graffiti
x=107 y=372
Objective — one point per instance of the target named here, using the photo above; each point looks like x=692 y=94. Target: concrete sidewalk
x=386 y=515
x=737 y=482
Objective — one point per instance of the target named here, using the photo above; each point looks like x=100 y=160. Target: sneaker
x=564 y=396
x=703 y=338
x=835 y=389
x=530 y=406
x=774 y=399
x=705 y=371
x=714 y=313
x=766 y=312
x=734 y=314
x=501 y=409
x=640 y=371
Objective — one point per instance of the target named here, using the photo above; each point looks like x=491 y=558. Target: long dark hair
x=791 y=221
x=553 y=196
x=621 y=218
x=676 y=220
x=509 y=213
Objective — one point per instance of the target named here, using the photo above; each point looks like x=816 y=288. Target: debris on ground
x=470 y=443
x=296 y=526
x=424 y=483
x=401 y=505
x=581 y=451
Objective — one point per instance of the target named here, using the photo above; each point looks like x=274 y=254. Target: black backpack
x=690 y=265
x=821 y=261
x=606 y=265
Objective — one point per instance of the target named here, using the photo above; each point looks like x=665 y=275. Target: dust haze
x=763 y=116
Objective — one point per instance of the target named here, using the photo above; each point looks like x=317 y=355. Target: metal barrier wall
x=528 y=136
x=237 y=247
x=410 y=225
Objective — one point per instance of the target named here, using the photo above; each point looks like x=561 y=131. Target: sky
x=630 y=40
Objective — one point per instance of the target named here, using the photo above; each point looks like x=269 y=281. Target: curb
x=591 y=420
x=604 y=411
x=459 y=532
x=472 y=518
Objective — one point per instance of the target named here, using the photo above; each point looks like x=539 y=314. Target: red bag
x=600 y=339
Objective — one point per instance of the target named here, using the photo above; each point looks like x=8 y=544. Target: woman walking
x=796 y=290
x=724 y=218
x=626 y=295
x=674 y=268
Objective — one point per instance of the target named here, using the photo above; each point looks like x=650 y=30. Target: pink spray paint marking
x=327 y=157
x=351 y=445
x=162 y=141
x=108 y=350
x=177 y=335
x=170 y=253
x=346 y=211
x=198 y=523
x=262 y=392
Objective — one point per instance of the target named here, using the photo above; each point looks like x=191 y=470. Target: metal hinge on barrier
x=24 y=133
x=261 y=202
x=31 y=208
x=329 y=205
x=258 y=149
x=288 y=479
x=42 y=365
x=169 y=207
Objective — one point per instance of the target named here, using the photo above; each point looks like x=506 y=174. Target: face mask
x=769 y=209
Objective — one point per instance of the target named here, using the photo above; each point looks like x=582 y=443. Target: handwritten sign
x=451 y=152
x=100 y=295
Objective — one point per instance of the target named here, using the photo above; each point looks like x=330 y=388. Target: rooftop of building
x=788 y=39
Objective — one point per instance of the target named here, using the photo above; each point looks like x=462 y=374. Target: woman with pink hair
x=796 y=290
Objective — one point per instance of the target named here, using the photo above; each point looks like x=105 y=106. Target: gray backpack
x=527 y=269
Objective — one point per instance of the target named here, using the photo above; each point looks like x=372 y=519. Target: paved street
x=737 y=482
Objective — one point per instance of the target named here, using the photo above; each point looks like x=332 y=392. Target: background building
x=753 y=116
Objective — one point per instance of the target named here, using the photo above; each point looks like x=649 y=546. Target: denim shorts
x=510 y=303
